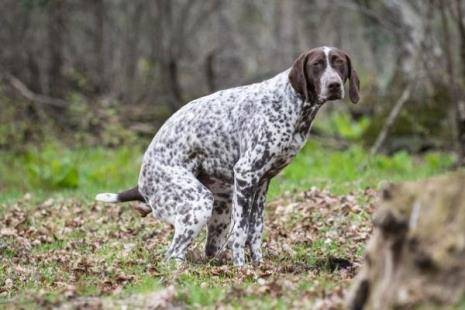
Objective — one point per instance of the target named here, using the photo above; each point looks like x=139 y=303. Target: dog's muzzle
x=334 y=91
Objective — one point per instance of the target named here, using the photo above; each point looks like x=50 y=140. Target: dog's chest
x=286 y=154
x=291 y=144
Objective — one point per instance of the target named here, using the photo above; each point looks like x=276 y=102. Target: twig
x=30 y=95
x=392 y=117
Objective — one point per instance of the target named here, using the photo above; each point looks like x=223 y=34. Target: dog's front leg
x=248 y=173
x=244 y=188
x=255 y=232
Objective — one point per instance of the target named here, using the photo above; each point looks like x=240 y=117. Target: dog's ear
x=298 y=77
x=354 y=82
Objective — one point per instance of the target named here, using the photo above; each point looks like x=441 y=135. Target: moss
x=422 y=123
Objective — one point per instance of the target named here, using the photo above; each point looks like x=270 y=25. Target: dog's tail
x=132 y=194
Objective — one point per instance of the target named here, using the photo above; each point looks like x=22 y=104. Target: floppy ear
x=354 y=82
x=298 y=76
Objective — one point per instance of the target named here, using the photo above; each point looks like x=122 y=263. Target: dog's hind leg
x=188 y=224
x=218 y=225
x=183 y=201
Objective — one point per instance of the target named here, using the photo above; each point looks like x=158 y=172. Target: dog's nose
x=333 y=86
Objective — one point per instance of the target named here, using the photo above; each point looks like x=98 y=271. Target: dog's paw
x=143 y=209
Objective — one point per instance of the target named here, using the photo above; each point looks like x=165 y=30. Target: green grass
x=54 y=170
x=57 y=171
x=354 y=168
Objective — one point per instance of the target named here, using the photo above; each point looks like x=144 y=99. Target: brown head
x=319 y=75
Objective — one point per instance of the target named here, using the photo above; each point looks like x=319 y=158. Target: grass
x=54 y=170
x=354 y=168
x=57 y=171
x=58 y=246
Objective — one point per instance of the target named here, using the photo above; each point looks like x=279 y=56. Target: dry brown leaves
x=161 y=299
x=88 y=253
x=62 y=245
x=315 y=216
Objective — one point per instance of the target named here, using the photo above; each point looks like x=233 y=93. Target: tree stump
x=416 y=255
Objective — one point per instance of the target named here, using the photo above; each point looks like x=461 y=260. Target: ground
x=60 y=249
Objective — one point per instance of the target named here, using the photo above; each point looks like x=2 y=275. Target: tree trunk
x=131 y=50
x=459 y=105
x=172 y=85
x=168 y=53
x=371 y=32
x=460 y=102
x=210 y=70
x=56 y=28
x=461 y=28
x=34 y=73
x=99 y=37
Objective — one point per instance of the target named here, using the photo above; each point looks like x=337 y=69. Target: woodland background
x=101 y=72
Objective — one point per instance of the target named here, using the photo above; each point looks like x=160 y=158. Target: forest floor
x=59 y=249
x=66 y=253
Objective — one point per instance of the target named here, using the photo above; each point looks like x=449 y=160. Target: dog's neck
x=307 y=116
x=287 y=101
x=305 y=110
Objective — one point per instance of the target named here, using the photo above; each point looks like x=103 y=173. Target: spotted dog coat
x=212 y=161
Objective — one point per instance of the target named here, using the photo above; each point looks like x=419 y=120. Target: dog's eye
x=338 y=62
x=317 y=64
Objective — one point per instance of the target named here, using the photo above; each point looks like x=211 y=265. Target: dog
x=212 y=161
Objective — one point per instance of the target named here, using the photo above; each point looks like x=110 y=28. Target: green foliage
x=86 y=171
x=347 y=170
x=45 y=169
x=422 y=121
x=342 y=125
x=56 y=168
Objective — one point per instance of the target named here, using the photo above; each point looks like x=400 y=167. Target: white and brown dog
x=211 y=162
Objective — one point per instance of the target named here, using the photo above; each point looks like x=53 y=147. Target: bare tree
x=176 y=27
x=56 y=29
x=99 y=43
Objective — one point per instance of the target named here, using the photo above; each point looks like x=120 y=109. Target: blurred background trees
x=107 y=71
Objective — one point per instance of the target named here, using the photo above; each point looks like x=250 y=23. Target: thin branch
x=30 y=95
x=392 y=118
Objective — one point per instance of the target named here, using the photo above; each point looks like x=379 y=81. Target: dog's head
x=319 y=75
